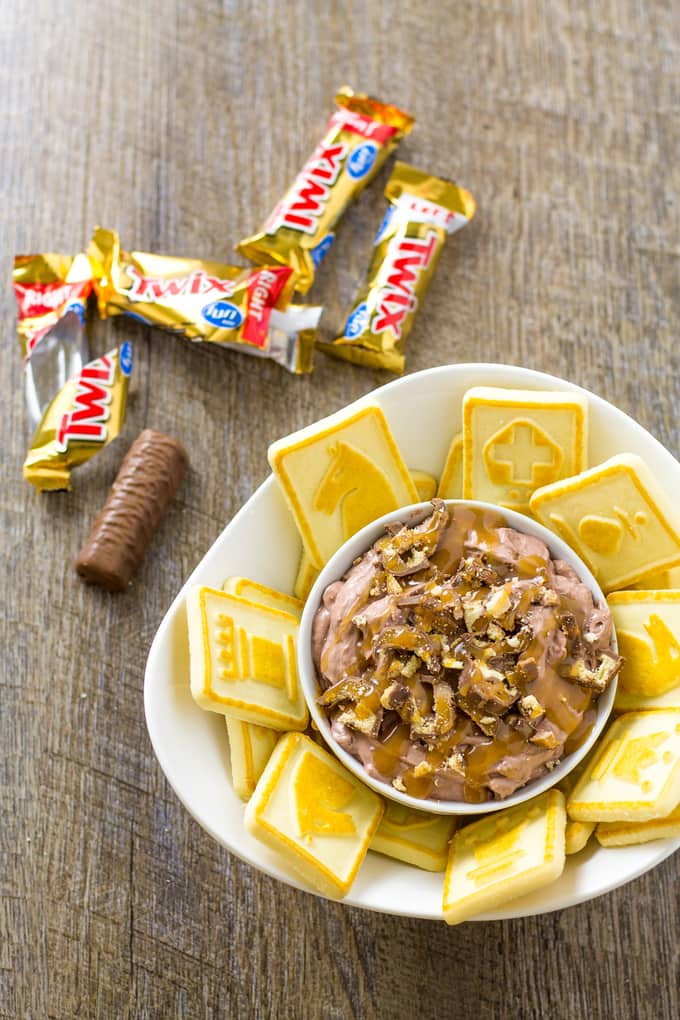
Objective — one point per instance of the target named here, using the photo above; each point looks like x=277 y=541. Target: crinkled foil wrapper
x=300 y=231
x=423 y=211
x=236 y=307
x=85 y=416
x=51 y=292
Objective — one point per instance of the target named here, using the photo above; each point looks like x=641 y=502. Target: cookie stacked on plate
x=522 y=450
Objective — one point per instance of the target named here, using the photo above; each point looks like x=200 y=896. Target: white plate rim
x=153 y=679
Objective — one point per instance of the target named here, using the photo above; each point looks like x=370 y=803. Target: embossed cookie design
x=515 y=441
x=635 y=775
x=416 y=837
x=312 y=811
x=243 y=660
x=616 y=517
x=648 y=630
x=339 y=475
x=503 y=856
x=249 y=748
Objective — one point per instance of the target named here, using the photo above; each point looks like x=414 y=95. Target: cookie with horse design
x=313 y=812
x=339 y=475
x=648 y=631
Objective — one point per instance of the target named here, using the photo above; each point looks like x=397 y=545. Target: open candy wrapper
x=241 y=308
x=85 y=415
x=51 y=292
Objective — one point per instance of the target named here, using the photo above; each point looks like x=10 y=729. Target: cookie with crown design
x=416 y=837
x=451 y=481
x=504 y=855
x=515 y=441
x=314 y=813
x=635 y=775
x=340 y=474
x=243 y=660
x=250 y=748
x=263 y=595
x=617 y=517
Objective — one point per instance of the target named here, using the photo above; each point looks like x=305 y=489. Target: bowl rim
x=338 y=565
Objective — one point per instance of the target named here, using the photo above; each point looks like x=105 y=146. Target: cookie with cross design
x=515 y=441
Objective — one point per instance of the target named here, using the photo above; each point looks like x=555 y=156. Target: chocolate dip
x=457 y=660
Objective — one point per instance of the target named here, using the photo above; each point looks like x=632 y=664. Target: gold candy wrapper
x=51 y=292
x=423 y=210
x=300 y=231
x=86 y=414
x=240 y=308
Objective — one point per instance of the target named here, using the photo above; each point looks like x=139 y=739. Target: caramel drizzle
x=570 y=708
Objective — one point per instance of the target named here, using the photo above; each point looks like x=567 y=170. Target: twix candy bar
x=230 y=305
x=85 y=415
x=423 y=211
x=51 y=292
x=299 y=232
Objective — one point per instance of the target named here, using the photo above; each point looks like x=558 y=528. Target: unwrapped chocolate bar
x=147 y=481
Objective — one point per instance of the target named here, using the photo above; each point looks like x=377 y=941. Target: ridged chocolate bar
x=148 y=479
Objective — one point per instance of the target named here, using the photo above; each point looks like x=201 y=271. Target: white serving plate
x=261 y=542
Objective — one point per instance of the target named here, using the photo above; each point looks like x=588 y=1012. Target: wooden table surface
x=180 y=125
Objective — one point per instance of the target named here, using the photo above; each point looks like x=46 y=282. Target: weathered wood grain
x=180 y=124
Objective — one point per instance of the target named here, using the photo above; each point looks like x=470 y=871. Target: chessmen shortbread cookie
x=243 y=660
x=416 y=837
x=616 y=517
x=314 y=813
x=630 y=833
x=635 y=774
x=426 y=485
x=576 y=835
x=451 y=481
x=648 y=631
x=515 y=441
x=249 y=748
x=306 y=576
x=339 y=475
x=659 y=581
x=263 y=595
x=504 y=855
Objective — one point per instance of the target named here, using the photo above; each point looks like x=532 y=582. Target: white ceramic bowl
x=424 y=411
x=340 y=563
